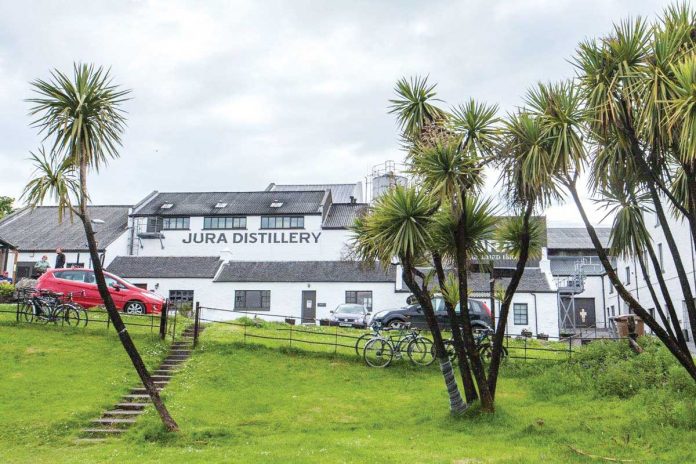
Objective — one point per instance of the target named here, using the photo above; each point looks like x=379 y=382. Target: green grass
x=253 y=403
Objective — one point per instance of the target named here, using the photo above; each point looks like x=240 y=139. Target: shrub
x=6 y=291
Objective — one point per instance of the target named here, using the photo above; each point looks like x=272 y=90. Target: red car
x=82 y=284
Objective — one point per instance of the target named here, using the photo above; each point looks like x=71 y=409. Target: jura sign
x=253 y=237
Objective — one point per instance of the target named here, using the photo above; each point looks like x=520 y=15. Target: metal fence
x=163 y=323
x=316 y=335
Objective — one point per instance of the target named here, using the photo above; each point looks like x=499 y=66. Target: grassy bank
x=251 y=403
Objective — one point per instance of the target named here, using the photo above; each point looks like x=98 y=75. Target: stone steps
x=124 y=413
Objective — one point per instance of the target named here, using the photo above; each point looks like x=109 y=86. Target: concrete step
x=105 y=431
x=180 y=353
x=144 y=398
x=87 y=441
x=177 y=356
x=131 y=406
x=113 y=421
x=123 y=412
x=142 y=391
x=159 y=377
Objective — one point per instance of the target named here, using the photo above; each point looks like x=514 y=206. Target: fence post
x=176 y=311
x=290 y=335
x=196 y=322
x=336 y=341
x=163 y=320
x=525 y=349
x=245 y=326
x=570 y=347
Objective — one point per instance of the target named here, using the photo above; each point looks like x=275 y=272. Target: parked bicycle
x=386 y=344
x=43 y=306
x=484 y=346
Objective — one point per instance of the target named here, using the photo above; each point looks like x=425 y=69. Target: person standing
x=60 y=258
x=41 y=266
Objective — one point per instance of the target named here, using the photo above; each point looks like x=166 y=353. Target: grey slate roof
x=340 y=193
x=342 y=215
x=533 y=280
x=575 y=238
x=303 y=271
x=204 y=267
x=5 y=244
x=39 y=229
x=252 y=203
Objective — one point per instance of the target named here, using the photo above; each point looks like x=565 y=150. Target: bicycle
x=484 y=346
x=380 y=350
x=44 y=306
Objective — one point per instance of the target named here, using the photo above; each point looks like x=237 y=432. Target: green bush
x=6 y=291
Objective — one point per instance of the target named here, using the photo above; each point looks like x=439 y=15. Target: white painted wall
x=638 y=286
x=314 y=244
x=286 y=297
x=542 y=314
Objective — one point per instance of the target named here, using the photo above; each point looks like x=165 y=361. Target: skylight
x=167 y=205
x=221 y=205
x=276 y=204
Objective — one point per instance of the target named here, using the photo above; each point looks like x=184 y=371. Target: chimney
x=226 y=255
x=353 y=200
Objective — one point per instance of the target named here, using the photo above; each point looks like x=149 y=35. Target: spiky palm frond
x=510 y=232
x=397 y=225
x=680 y=190
x=477 y=125
x=611 y=73
x=526 y=166
x=682 y=107
x=445 y=170
x=55 y=180
x=559 y=107
x=450 y=290
x=83 y=115
x=413 y=106
x=611 y=160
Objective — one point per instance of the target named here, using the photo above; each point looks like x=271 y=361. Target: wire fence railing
x=311 y=334
x=163 y=323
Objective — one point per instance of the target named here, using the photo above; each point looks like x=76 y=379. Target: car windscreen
x=350 y=309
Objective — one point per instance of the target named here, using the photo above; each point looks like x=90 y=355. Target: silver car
x=350 y=315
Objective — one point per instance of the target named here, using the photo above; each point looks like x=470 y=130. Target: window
x=224 y=222
x=252 y=300
x=660 y=259
x=154 y=224
x=612 y=311
x=360 y=297
x=519 y=311
x=282 y=222
x=78 y=276
x=174 y=223
x=611 y=286
x=628 y=275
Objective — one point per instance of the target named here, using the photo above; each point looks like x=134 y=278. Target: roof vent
x=220 y=205
x=167 y=206
x=276 y=204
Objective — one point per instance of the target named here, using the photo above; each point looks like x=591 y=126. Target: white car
x=350 y=315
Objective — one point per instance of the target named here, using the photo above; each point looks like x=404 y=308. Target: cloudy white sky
x=234 y=95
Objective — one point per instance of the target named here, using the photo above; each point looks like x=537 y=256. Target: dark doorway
x=24 y=269
x=585 y=312
x=309 y=305
x=181 y=300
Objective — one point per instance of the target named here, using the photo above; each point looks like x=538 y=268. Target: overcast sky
x=229 y=96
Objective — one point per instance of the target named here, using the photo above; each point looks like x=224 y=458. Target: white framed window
x=175 y=223
x=660 y=258
x=252 y=300
x=628 y=275
x=520 y=314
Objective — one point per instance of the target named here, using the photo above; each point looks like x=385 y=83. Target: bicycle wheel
x=378 y=352
x=26 y=311
x=450 y=350
x=69 y=315
x=486 y=351
x=360 y=343
x=421 y=351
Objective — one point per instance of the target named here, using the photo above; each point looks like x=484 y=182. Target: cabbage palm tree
x=83 y=119
x=398 y=225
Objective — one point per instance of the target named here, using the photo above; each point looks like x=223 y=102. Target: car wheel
x=134 y=307
x=396 y=324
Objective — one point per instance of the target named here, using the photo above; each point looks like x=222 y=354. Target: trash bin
x=622 y=325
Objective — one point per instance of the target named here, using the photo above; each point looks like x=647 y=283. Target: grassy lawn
x=253 y=403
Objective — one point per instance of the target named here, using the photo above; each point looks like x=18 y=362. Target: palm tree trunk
x=464 y=368
x=676 y=257
x=477 y=368
x=115 y=317
x=457 y=405
x=683 y=357
x=653 y=295
x=679 y=335
x=499 y=336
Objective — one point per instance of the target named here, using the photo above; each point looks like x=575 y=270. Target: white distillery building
x=630 y=273
x=281 y=252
